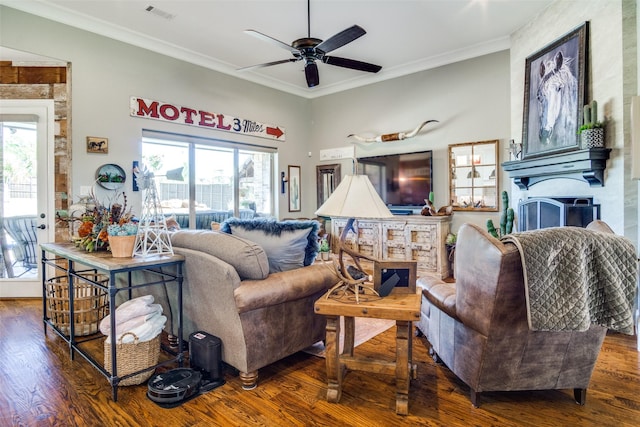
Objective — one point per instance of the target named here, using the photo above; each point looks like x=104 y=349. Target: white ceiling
x=403 y=36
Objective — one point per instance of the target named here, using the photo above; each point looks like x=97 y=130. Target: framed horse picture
x=554 y=94
x=97 y=145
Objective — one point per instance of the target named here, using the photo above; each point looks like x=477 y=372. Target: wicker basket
x=132 y=357
x=90 y=304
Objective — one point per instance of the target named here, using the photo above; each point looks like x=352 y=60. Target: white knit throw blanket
x=576 y=277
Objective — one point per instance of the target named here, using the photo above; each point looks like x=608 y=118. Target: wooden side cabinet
x=402 y=238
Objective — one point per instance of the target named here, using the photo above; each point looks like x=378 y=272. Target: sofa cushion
x=288 y=244
x=247 y=257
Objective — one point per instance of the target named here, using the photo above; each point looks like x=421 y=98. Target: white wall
x=470 y=99
x=106 y=73
x=474 y=100
x=611 y=57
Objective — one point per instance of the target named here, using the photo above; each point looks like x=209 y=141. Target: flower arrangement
x=104 y=220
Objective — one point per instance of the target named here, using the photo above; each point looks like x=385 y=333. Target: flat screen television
x=402 y=180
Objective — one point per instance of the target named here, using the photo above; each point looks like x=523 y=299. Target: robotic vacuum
x=174 y=386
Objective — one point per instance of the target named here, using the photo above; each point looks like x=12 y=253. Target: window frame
x=192 y=143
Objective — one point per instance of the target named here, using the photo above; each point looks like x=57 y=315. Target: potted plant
x=450 y=243
x=122 y=239
x=324 y=249
x=592 y=131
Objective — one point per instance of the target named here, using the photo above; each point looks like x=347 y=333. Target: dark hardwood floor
x=41 y=386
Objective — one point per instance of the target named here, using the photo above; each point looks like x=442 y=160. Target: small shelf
x=584 y=165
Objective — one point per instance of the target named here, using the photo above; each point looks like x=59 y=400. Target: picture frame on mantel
x=554 y=94
x=294 y=189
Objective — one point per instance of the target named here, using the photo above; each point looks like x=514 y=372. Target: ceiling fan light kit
x=312 y=49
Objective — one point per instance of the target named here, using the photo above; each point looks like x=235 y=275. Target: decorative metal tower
x=153 y=236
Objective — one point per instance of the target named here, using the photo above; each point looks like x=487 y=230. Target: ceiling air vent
x=159 y=12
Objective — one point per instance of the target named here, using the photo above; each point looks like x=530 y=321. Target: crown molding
x=106 y=29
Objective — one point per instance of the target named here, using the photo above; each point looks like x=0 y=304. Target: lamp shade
x=355 y=197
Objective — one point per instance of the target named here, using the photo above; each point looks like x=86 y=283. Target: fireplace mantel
x=585 y=165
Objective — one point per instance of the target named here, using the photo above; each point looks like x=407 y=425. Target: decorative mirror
x=110 y=176
x=473 y=176
x=327 y=179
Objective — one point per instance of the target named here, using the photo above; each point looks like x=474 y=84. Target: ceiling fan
x=310 y=50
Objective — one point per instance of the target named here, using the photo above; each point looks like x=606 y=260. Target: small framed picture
x=394 y=277
x=97 y=145
x=294 y=189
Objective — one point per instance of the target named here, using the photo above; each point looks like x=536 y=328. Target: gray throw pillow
x=285 y=252
x=288 y=244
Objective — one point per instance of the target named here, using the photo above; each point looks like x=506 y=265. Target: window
x=202 y=180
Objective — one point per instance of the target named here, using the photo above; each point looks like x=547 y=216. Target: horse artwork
x=97 y=145
x=554 y=93
x=557 y=97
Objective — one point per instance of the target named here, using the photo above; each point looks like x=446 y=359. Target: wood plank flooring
x=41 y=386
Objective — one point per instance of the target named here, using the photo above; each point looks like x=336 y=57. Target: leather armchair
x=478 y=326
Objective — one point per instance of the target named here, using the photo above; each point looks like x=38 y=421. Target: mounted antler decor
x=389 y=137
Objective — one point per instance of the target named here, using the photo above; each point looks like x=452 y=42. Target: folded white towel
x=130 y=324
x=135 y=307
x=122 y=325
x=145 y=332
x=154 y=328
x=143 y=300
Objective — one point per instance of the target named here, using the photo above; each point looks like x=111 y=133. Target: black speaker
x=205 y=355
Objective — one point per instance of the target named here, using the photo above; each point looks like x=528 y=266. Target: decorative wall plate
x=110 y=176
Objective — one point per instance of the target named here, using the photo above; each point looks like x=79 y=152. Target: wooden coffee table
x=404 y=309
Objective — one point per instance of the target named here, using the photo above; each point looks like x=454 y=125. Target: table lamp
x=354 y=198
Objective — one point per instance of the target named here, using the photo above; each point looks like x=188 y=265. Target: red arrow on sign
x=274 y=131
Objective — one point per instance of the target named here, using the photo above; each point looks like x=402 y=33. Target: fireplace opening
x=543 y=212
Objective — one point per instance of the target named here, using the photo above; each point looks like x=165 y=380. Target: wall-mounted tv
x=403 y=180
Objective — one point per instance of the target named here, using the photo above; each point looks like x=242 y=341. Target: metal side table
x=75 y=263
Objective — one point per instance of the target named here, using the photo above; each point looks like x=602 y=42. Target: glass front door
x=26 y=126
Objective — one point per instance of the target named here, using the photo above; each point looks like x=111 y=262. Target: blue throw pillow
x=288 y=244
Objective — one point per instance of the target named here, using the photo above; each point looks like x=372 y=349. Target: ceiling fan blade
x=351 y=63
x=271 y=40
x=268 y=64
x=311 y=73
x=342 y=38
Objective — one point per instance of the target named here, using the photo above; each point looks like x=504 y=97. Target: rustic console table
x=75 y=263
